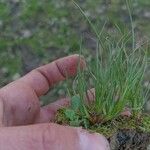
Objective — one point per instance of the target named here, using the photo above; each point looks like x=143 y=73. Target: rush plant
x=117 y=80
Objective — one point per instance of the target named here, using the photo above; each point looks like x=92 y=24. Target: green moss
x=145 y=125
x=109 y=128
x=61 y=117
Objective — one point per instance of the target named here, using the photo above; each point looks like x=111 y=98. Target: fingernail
x=94 y=141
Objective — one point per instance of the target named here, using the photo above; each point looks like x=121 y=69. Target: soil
x=130 y=140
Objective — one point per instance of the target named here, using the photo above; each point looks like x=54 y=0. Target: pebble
x=147 y=14
x=4 y=70
x=26 y=33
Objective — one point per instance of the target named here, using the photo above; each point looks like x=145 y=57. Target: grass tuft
x=116 y=73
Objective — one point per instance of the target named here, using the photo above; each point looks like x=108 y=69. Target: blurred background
x=35 y=32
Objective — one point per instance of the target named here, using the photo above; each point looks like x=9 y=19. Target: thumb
x=50 y=137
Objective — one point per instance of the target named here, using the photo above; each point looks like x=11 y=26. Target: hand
x=24 y=125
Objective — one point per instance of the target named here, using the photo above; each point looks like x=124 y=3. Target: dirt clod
x=130 y=140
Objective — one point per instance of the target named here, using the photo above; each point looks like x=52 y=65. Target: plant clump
x=117 y=83
x=116 y=73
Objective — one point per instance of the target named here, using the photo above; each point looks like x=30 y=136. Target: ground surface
x=130 y=140
x=36 y=32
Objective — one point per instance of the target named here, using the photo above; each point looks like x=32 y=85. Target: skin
x=25 y=125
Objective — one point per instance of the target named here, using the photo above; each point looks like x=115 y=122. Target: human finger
x=48 y=112
x=50 y=137
x=44 y=77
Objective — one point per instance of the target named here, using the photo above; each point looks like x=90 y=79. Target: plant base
x=123 y=133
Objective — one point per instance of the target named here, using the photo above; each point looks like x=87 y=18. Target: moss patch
x=109 y=128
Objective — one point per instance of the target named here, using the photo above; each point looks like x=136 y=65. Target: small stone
x=26 y=33
x=147 y=14
x=4 y=70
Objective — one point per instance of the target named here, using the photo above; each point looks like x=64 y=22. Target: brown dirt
x=130 y=140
